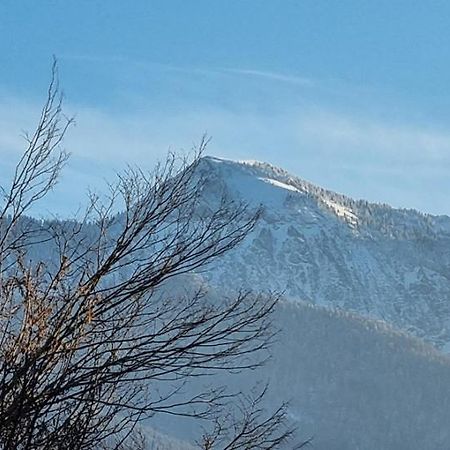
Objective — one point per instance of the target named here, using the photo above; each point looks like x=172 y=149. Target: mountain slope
x=325 y=248
x=352 y=383
x=359 y=384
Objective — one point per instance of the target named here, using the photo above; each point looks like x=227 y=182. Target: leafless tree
x=91 y=339
x=248 y=426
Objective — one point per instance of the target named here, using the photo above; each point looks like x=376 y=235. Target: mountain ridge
x=322 y=247
x=326 y=196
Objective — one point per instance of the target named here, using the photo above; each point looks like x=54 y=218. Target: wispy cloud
x=211 y=70
x=273 y=76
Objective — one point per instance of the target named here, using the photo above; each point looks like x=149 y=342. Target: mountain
x=155 y=440
x=359 y=384
x=352 y=383
x=324 y=248
x=362 y=285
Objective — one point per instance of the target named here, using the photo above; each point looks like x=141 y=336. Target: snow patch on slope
x=342 y=211
x=279 y=184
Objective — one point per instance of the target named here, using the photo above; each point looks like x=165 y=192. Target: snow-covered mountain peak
x=276 y=189
x=258 y=170
x=281 y=193
x=316 y=245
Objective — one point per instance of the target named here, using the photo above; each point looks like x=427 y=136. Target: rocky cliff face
x=325 y=248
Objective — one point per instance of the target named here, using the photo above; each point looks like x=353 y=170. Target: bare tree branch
x=92 y=341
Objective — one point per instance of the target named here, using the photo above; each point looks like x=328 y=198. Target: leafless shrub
x=89 y=343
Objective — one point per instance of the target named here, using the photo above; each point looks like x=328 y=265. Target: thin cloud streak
x=273 y=76
x=213 y=71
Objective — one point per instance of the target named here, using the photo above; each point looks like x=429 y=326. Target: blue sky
x=353 y=95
